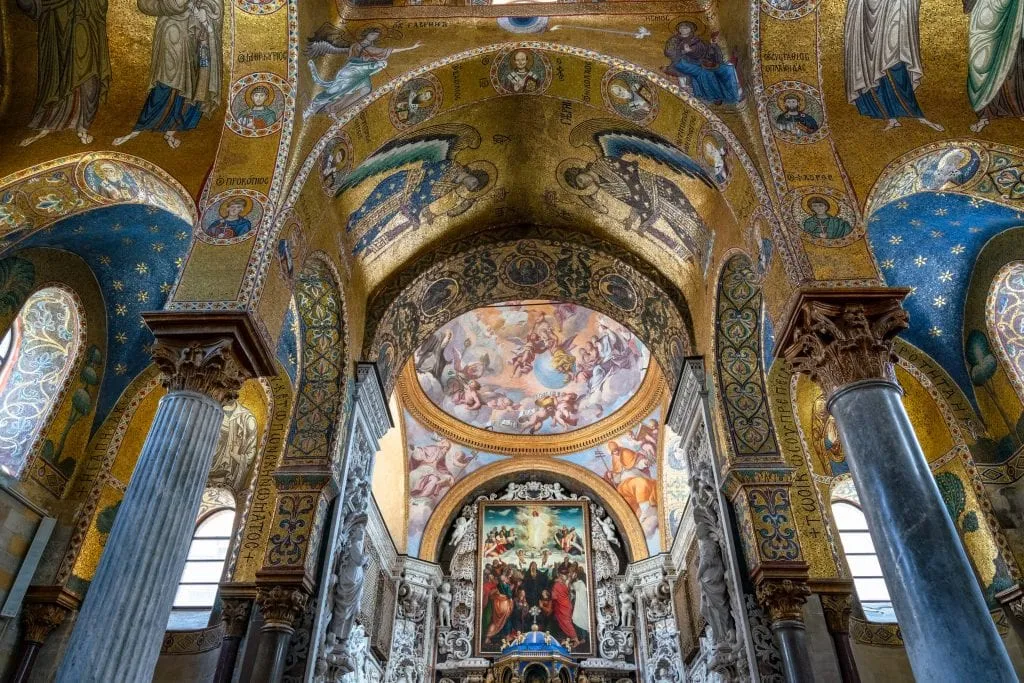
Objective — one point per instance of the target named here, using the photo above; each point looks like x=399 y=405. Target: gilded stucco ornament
x=783 y=598
x=840 y=336
x=204 y=367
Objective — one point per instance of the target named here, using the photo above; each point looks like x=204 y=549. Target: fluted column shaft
x=123 y=618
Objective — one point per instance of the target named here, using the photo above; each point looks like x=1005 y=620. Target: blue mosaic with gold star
x=930 y=242
x=136 y=253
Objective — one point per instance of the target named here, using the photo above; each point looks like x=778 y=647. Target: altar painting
x=535 y=568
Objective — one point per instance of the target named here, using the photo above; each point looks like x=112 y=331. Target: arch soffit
x=567 y=473
x=483 y=269
x=41 y=195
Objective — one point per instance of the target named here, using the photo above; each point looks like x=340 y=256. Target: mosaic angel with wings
x=656 y=206
x=352 y=80
x=417 y=179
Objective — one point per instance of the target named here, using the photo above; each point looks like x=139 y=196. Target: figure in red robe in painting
x=501 y=604
x=561 y=603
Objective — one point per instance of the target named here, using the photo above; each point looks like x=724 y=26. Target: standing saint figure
x=186 y=68
x=73 y=71
x=883 y=59
x=995 y=60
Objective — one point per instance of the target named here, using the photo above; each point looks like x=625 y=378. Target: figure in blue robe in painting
x=792 y=119
x=352 y=80
x=186 y=68
x=700 y=65
x=417 y=179
x=995 y=60
x=234 y=222
x=882 y=50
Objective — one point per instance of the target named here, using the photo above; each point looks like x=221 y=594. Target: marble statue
x=714 y=598
x=444 y=605
x=626 y=608
x=348 y=588
x=608 y=528
x=462 y=525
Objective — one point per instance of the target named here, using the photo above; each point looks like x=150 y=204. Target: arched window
x=863 y=560
x=1006 y=321
x=197 y=589
x=36 y=356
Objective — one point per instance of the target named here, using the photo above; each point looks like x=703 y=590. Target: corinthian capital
x=207 y=367
x=783 y=599
x=211 y=353
x=281 y=606
x=839 y=336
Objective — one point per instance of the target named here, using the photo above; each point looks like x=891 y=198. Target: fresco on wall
x=531 y=367
x=629 y=462
x=435 y=465
x=534 y=569
x=675 y=482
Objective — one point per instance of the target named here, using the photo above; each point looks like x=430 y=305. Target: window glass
x=197 y=589
x=863 y=561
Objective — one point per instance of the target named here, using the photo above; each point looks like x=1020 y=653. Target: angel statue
x=417 y=179
x=656 y=206
x=352 y=80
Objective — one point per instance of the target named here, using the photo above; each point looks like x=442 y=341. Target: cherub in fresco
x=463 y=385
x=587 y=359
x=567 y=409
x=646 y=435
x=546 y=408
x=562 y=359
x=502 y=402
x=522 y=360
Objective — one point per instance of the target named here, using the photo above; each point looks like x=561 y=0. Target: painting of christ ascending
x=534 y=570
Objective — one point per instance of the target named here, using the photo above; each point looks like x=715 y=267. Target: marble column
x=837 y=608
x=235 y=613
x=119 y=630
x=280 y=607
x=44 y=610
x=784 y=600
x=842 y=338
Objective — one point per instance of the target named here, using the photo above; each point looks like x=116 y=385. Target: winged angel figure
x=417 y=179
x=656 y=206
x=352 y=80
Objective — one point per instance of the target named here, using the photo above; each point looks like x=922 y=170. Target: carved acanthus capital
x=207 y=367
x=281 y=606
x=837 y=607
x=235 y=615
x=40 y=619
x=783 y=599
x=839 y=336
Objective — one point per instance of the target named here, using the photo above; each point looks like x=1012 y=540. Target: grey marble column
x=118 y=633
x=791 y=637
x=947 y=628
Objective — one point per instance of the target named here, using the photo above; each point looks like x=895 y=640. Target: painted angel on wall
x=995 y=60
x=418 y=180
x=352 y=80
x=882 y=45
x=656 y=206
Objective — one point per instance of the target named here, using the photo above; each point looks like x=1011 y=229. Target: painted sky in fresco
x=531 y=367
x=629 y=462
x=435 y=465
